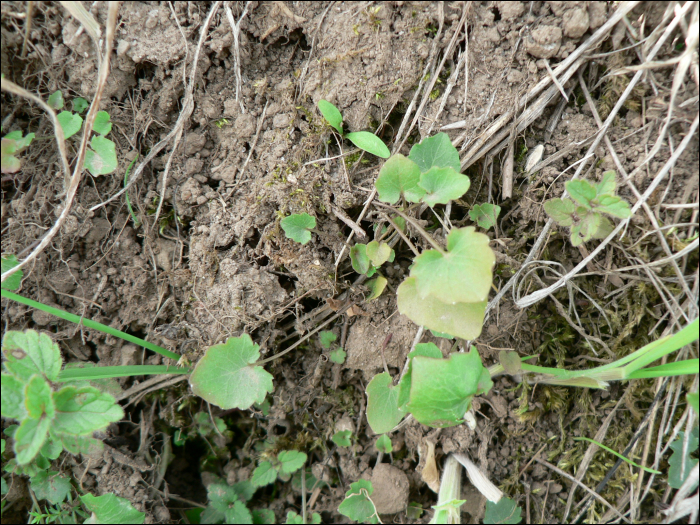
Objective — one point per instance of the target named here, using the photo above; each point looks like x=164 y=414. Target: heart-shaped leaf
x=70 y=123
x=102 y=125
x=102 y=158
x=370 y=143
x=227 y=376
x=297 y=226
x=435 y=152
x=358 y=258
x=443 y=185
x=461 y=275
x=399 y=176
x=383 y=412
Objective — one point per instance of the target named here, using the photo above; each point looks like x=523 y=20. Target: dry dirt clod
x=390 y=489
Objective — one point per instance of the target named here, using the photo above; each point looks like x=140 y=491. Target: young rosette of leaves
x=48 y=420
x=358 y=504
x=585 y=215
x=227 y=504
x=227 y=375
x=13 y=144
x=297 y=226
x=287 y=462
x=447 y=291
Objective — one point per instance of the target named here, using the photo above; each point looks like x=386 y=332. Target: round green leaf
x=338 y=356
x=383 y=412
x=70 y=123
x=50 y=486
x=226 y=375
x=331 y=114
x=30 y=353
x=378 y=253
x=443 y=185
x=435 y=152
x=291 y=460
x=370 y=143
x=358 y=258
x=462 y=320
x=79 y=104
x=326 y=338
x=103 y=159
x=399 y=176
x=342 y=438
x=56 y=100
x=383 y=444
x=357 y=504
x=462 y=275
x=297 y=226
x=485 y=214
x=102 y=125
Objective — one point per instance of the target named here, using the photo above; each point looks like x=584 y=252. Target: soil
x=214 y=262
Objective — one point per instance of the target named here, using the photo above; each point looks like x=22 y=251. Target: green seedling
x=297 y=227
x=327 y=338
x=585 y=214
x=376 y=287
x=358 y=504
x=623 y=458
x=367 y=258
x=485 y=215
x=111 y=509
x=362 y=139
x=383 y=444
x=286 y=463
x=13 y=144
x=448 y=504
x=51 y=486
x=228 y=504
x=338 y=356
x=342 y=438
x=293 y=517
x=414 y=510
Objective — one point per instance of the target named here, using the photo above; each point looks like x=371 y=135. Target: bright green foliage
x=586 y=216
x=442 y=185
x=448 y=512
x=383 y=444
x=447 y=291
x=342 y=438
x=358 y=505
x=442 y=335
x=102 y=125
x=56 y=100
x=362 y=139
x=399 y=177
x=80 y=104
x=679 y=461
x=70 y=123
x=69 y=415
x=297 y=226
x=102 y=158
x=326 y=338
x=442 y=389
x=51 y=486
x=383 y=412
x=111 y=509
x=435 y=152
x=505 y=511
x=227 y=376
x=369 y=142
x=293 y=517
x=227 y=504
x=485 y=214
x=13 y=144
x=338 y=356
x=331 y=114
x=14 y=280
x=376 y=287
x=694 y=401
x=378 y=253
x=286 y=462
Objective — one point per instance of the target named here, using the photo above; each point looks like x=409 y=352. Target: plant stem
x=88 y=323
x=417 y=226
x=104 y=372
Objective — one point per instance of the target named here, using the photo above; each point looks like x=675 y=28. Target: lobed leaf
x=111 y=509
x=443 y=185
x=291 y=461
x=582 y=191
x=102 y=158
x=357 y=504
x=226 y=375
x=383 y=412
x=37 y=398
x=436 y=151
x=485 y=215
x=80 y=410
x=12 y=400
x=613 y=205
x=326 y=338
x=399 y=176
x=70 y=123
x=51 y=487
x=369 y=142
x=297 y=226
x=442 y=389
x=331 y=114
x=678 y=461
x=607 y=184
x=561 y=211
x=29 y=438
x=462 y=275
x=264 y=474
x=462 y=320
x=338 y=356
x=30 y=353
x=238 y=513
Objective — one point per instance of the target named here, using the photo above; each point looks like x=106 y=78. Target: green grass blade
x=679 y=368
x=90 y=324
x=623 y=458
x=105 y=372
